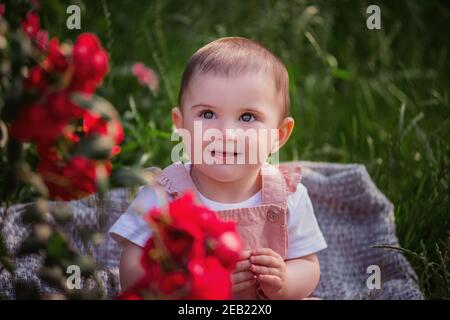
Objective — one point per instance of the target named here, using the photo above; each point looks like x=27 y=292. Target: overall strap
x=176 y=180
x=273 y=186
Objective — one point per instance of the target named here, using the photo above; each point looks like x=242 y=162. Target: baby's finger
x=242 y=265
x=270 y=280
x=245 y=254
x=265 y=251
x=244 y=285
x=242 y=276
x=264 y=270
x=264 y=260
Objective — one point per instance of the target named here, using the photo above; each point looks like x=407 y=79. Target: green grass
x=380 y=98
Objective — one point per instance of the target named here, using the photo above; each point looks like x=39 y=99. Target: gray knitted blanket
x=352 y=213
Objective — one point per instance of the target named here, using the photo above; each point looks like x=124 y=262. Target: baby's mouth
x=223 y=154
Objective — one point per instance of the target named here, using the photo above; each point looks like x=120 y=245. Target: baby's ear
x=285 y=130
x=177 y=117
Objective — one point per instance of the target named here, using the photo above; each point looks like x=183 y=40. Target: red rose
x=88 y=42
x=31 y=24
x=83 y=50
x=146 y=76
x=82 y=172
x=51 y=172
x=173 y=282
x=36 y=79
x=47 y=153
x=180 y=266
x=227 y=248
x=85 y=86
x=61 y=107
x=41 y=39
x=130 y=295
x=34 y=124
x=72 y=180
x=178 y=242
x=100 y=65
x=94 y=123
x=56 y=61
x=53 y=114
x=210 y=280
x=90 y=60
x=185 y=215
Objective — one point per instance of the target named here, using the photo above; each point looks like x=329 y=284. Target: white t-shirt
x=304 y=235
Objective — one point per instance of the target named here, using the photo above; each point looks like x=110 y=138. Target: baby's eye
x=247 y=117
x=207 y=114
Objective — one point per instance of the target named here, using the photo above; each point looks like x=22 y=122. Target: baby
x=230 y=87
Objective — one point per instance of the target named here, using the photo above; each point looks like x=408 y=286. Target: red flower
x=53 y=114
x=129 y=295
x=173 y=282
x=36 y=79
x=181 y=266
x=227 y=248
x=184 y=215
x=30 y=123
x=73 y=180
x=52 y=121
x=146 y=76
x=56 y=60
x=61 y=107
x=90 y=63
x=31 y=24
x=189 y=225
x=210 y=280
x=100 y=65
x=41 y=39
x=94 y=123
x=2 y=9
x=47 y=153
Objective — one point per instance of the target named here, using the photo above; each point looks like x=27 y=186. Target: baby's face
x=233 y=123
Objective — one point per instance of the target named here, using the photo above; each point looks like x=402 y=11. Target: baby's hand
x=270 y=269
x=242 y=278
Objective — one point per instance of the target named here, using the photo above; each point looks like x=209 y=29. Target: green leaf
x=341 y=74
x=57 y=248
x=94 y=103
x=94 y=147
x=87 y=265
x=127 y=177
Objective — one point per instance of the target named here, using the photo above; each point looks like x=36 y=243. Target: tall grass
x=378 y=97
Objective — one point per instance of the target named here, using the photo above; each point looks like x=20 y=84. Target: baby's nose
x=228 y=131
x=230 y=134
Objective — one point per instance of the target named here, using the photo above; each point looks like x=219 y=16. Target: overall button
x=273 y=215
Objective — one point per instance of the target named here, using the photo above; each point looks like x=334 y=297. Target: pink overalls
x=260 y=226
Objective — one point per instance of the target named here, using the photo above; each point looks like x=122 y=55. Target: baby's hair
x=231 y=56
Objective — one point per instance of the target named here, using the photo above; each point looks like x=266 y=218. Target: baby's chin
x=228 y=172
